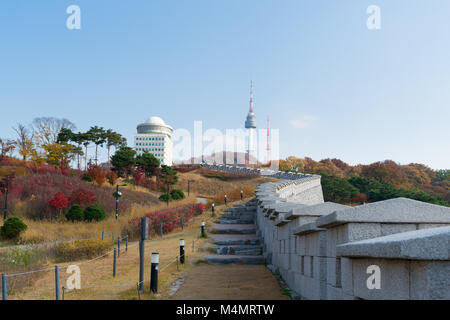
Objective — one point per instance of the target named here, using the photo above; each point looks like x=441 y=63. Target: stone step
x=234 y=229
x=237 y=216
x=247 y=250
x=237 y=221
x=235 y=259
x=235 y=239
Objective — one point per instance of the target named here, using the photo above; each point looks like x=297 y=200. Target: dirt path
x=234 y=282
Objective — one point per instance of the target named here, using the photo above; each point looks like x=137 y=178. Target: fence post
x=154 y=273
x=181 y=251
x=103 y=235
x=181 y=223
x=57 y=282
x=115 y=262
x=4 y=289
x=144 y=235
x=118 y=247
x=141 y=264
x=126 y=243
x=161 y=229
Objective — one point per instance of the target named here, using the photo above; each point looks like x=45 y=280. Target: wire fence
x=111 y=275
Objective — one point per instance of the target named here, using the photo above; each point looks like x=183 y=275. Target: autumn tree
x=57 y=154
x=59 y=202
x=24 y=141
x=47 y=129
x=7 y=146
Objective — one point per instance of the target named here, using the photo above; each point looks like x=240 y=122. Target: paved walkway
x=233 y=282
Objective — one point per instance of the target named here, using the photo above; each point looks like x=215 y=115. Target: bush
x=94 y=212
x=87 y=178
x=75 y=213
x=81 y=249
x=169 y=218
x=12 y=228
x=164 y=197
x=177 y=194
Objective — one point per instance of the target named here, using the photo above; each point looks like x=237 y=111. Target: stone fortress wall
x=329 y=251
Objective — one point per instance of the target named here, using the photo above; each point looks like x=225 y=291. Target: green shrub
x=94 y=212
x=12 y=228
x=81 y=249
x=75 y=213
x=177 y=194
x=87 y=178
x=164 y=196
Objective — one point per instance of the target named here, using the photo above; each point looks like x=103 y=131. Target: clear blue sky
x=332 y=87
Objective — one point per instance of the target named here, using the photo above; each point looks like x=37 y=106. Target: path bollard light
x=4 y=288
x=203 y=229
x=57 y=282
x=213 y=207
x=242 y=195
x=112 y=236
x=182 y=251
x=115 y=262
x=181 y=223
x=154 y=273
x=118 y=247
x=103 y=235
x=161 y=229
x=225 y=199
x=126 y=243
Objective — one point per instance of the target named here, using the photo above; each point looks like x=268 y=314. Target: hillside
x=344 y=183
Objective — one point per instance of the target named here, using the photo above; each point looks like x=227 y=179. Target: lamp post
x=117 y=195
x=189 y=187
x=5 y=210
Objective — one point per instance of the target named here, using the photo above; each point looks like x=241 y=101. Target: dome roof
x=156 y=120
x=154 y=125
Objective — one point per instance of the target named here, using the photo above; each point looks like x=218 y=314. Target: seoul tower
x=250 y=124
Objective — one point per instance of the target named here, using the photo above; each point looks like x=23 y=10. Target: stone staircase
x=235 y=238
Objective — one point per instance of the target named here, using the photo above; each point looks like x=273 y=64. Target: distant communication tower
x=268 y=139
x=250 y=125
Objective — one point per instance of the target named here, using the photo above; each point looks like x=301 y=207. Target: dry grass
x=210 y=187
x=43 y=231
x=96 y=276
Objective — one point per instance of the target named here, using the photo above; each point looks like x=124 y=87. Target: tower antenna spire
x=251 y=95
x=268 y=139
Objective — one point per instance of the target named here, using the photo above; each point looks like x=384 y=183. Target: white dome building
x=155 y=136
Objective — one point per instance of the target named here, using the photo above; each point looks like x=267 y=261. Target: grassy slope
x=96 y=276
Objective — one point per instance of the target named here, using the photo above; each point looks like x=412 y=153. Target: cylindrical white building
x=155 y=136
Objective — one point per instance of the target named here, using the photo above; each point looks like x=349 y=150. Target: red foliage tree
x=96 y=173
x=83 y=197
x=139 y=176
x=59 y=202
x=111 y=177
